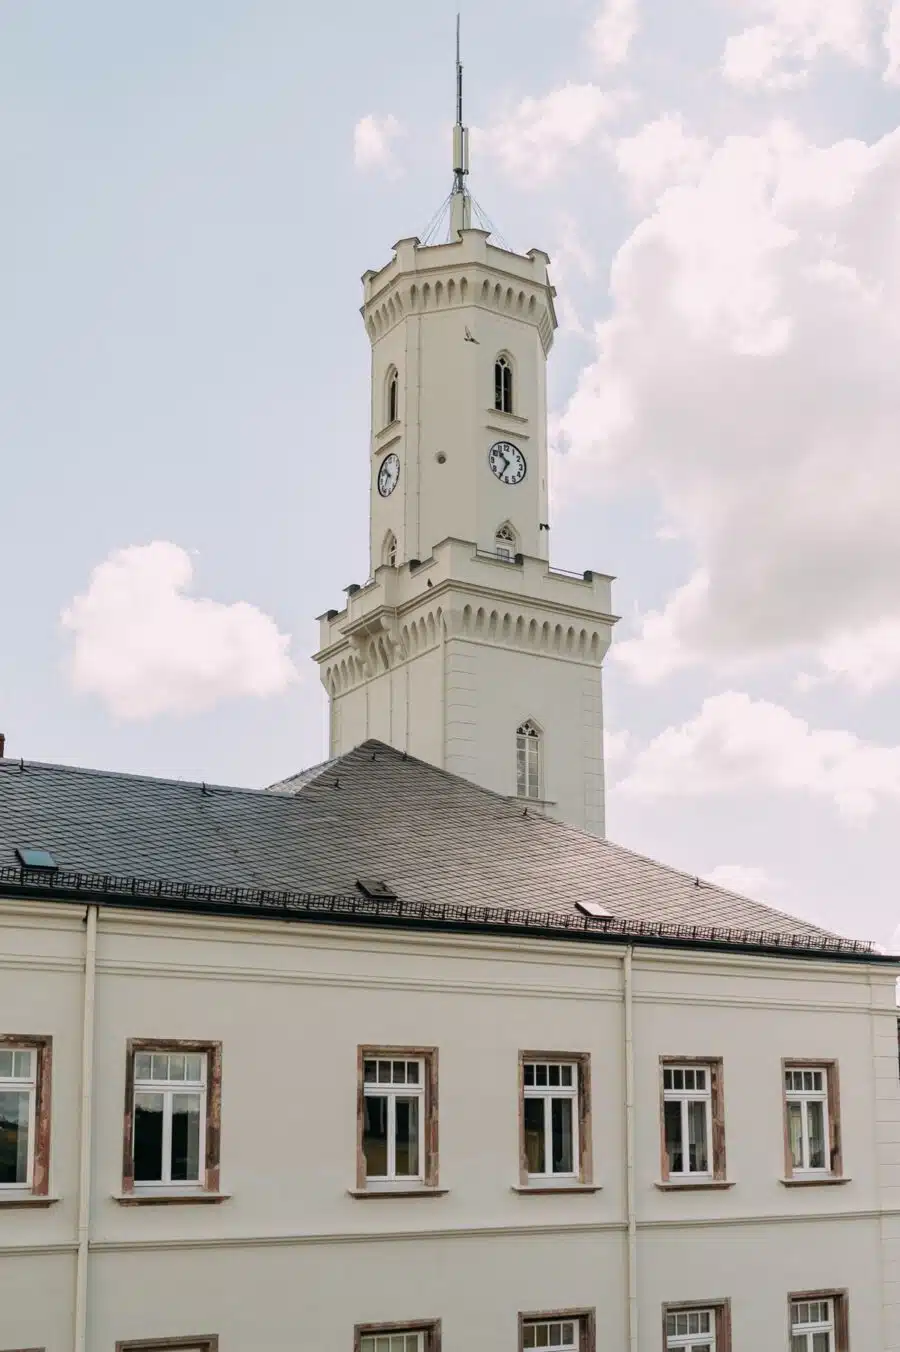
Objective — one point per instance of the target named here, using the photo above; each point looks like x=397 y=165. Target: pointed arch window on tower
x=506 y=542
x=389 y=550
x=503 y=385
x=392 y=409
x=529 y=746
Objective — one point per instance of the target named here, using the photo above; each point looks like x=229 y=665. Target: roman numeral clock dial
x=507 y=462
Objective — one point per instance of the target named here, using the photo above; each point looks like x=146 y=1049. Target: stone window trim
x=718 y=1176
x=841 y=1303
x=833 y=1102
x=585 y=1176
x=210 y=1186
x=430 y=1327
x=721 y=1308
x=40 y=1147
x=586 y=1319
x=207 y=1342
x=430 y=1172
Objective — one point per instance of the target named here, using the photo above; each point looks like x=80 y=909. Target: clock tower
x=465 y=647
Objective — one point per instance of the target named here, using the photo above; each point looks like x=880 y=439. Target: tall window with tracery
x=503 y=385
x=389 y=550
x=506 y=542
x=393 y=393
x=528 y=760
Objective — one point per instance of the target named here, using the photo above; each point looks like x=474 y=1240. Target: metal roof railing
x=114 y=888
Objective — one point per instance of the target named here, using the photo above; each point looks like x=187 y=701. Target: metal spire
x=460 y=201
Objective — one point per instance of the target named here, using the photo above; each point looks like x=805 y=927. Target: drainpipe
x=629 y=1152
x=84 y=1163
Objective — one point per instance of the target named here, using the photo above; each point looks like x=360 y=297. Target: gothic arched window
x=389 y=550
x=392 y=409
x=528 y=760
x=506 y=542
x=503 y=385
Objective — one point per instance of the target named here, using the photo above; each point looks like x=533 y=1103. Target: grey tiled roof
x=372 y=813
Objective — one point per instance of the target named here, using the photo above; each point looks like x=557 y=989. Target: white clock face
x=507 y=462
x=388 y=474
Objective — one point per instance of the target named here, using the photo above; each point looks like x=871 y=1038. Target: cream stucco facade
x=290 y=1259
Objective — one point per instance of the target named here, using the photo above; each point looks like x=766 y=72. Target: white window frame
x=168 y=1089
x=392 y=396
x=548 y=1093
x=686 y=1341
x=506 y=542
x=529 y=735
x=556 y=1341
x=392 y=1091
x=393 y=1340
x=16 y=1084
x=804 y=1097
x=685 y=1097
x=811 y=1325
x=503 y=363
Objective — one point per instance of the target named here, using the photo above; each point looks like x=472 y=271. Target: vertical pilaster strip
x=87 y=1095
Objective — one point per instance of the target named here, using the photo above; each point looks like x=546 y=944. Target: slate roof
x=437 y=839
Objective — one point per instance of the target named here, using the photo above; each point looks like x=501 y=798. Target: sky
x=191 y=195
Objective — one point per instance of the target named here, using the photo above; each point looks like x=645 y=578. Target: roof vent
x=376 y=889
x=594 y=910
x=41 y=859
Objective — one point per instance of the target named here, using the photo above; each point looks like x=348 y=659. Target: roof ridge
x=11 y=765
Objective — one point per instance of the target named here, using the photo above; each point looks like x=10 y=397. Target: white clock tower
x=465 y=647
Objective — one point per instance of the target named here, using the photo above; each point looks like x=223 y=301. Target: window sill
x=698 y=1185
x=826 y=1181
x=513 y=417
x=533 y=802
x=365 y=1193
x=25 y=1199
x=170 y=1198
x=557 y=1189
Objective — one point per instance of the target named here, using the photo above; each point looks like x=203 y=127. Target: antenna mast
x=461 y=202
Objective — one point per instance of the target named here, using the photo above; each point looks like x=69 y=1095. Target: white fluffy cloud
x=145 y=647
x=739 y=745
x=658 y=156
x=532 y=144
x=779 y=51
x=892 y=45
x=748 y=374
x=373 y=142
x=613 y=31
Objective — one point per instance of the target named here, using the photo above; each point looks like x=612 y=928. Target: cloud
x=613 y=31
x=779 y=52
x=745 y=879
x=747 y=376
x=892 y=45
x=146 y=648
x=533 y=142
x=660 y=155
x=736 y=745
x=373 y=139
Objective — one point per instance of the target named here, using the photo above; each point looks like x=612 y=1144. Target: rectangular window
x=819 y=1322
x=208 y=1342
x=812 y=1128
x=554 y=1116
x=417 y=1337
x=562 y=1331
x=697 y=1328
x=24 y=1114
x=693 y=1125
x=172 y=1117
x=397 y=1128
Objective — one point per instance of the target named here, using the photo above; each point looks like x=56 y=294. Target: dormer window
x=393 y=393
x=506 y=542
x=503 y=385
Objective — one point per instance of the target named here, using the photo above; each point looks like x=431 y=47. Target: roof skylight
x=42 y=859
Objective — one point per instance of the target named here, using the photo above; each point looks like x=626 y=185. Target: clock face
x=507 y=462
x=388 y=474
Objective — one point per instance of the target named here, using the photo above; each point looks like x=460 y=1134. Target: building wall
x=291 y=1259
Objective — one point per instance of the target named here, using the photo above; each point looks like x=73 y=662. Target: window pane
x=142 y=1066
x=176 y=1066
x=22 y=1067
x=674 y=1143
x=561 y=1120
x=798 y=1343
x=821 y=1342
x=148 y=1137
x=369 y=1072
x=406 y=1147
x=815 y=1121
x=375 y=1135
x=14 y=1136
x=534 y=1135
x=412 y=1077
x=699 y=1147
x=185 y=1138
x=795 y=1134
x=6 y=1064
x=159 y=1068
x=193 y=1066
